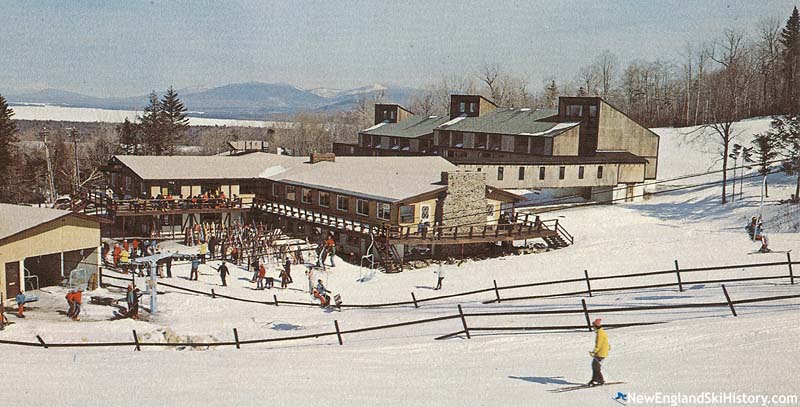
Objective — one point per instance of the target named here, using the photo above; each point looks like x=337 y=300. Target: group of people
x=261 y=279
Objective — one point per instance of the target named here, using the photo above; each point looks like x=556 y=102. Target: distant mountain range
x=251 y=100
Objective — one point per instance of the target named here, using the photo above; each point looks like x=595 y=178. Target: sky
x=128 y=47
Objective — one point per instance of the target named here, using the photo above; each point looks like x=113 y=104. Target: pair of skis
x=582 y=386
x=771 y=251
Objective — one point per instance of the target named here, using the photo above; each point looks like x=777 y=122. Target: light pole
x=50 y=176
x=73 y=135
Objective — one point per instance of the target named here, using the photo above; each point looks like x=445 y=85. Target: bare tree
x=605 y=67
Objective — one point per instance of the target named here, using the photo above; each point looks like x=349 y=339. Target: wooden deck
x=150 y=207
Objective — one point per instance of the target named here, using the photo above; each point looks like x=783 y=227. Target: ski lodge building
x=394 y=207
x=41 y=246
x=586 y=147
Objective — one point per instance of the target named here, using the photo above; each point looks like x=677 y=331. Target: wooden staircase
x=390 y=258
x=560 y=239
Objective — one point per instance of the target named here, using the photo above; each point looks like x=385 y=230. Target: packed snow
x=691 y=351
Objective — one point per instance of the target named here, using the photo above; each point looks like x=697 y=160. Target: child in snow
x=20 y=298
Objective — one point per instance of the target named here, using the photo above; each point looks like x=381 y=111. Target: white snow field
x=694 y=350
x=86 y=114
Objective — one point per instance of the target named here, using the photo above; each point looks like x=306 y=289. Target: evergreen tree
x=174 y=120
x=8 y=138
x=790 y=39
x=785 y=131
x=765 y=153
x=129 y=137
x=151 y=124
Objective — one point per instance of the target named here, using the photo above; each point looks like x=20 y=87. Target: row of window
x=561 y=173
x=384 y=210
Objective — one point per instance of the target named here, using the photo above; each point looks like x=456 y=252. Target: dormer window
x=473 y=107
x=462 y=107
x=392 y=115
x=574 y=110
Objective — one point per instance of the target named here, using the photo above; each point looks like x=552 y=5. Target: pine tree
x=790 y=39
x=786 y=132
x=151 y=124
x=765 y=153
x=174 y=120
x=8 y=136
x=129 y=137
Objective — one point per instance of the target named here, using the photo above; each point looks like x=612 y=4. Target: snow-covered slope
x=692 y=351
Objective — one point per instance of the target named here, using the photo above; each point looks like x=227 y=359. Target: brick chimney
x=319 y=157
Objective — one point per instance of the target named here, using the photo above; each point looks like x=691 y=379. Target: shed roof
x=19 y=218
x=412 y=127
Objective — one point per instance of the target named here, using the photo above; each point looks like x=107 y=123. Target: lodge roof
x=509 y=120
x=412 y=127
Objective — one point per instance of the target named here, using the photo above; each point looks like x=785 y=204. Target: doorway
x=12 y=279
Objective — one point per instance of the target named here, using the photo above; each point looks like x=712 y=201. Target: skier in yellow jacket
x=600 y=352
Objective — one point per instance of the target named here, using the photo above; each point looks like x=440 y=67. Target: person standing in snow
x=77 y=300
x=262 y=274
x=193 y=274
x=288 y=268
x=168 y=263
x=223 y=273
x=330 y=248
x=600 y=352
x=439 y=277
x=70 y=304
x=20 y=298
x=310 y=276
x=203 y=251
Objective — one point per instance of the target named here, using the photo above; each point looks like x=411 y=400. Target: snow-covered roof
x=381 y=178
x=19 y=218
x=207 y=167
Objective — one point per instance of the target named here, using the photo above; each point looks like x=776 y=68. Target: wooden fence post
x=236 y=338
x=678 y=273
x=213 y=294
x=39 y=338
x=100 y=275
x=413 y=297
x=136 y=339
x=789 y=262
x=496 y=291
x=338 y=333
x=463 y=321
x=586 y=314
x=588 y=283
x=727 y=297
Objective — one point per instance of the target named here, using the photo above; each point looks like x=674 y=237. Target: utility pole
x=50 y=176
x=73 y=135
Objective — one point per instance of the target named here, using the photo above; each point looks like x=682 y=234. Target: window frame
x=599 y=172
x=346 y=200
x=403 y=218
x=500 y=173
x=562 y=172
x=327 y=196
x=303 y=196
x=276 y=189
x=581 y=171
x=291 y=189
x=388 y=211
x=521 y=174
x=358 y=207
x=542 y=173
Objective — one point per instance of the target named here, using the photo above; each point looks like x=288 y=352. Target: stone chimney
x=465 y=202
x=319 y=157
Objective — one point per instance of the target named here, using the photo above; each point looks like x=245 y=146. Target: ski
x=771 y=251
x=583 y=386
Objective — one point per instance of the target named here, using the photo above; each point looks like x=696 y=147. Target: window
x=479 y=169
x=384 y=211
x=521 y=144
x=480 y=141
x=521 y=173
x=342 y=203
x=324 y=199
x=394 y=143
x=499 y=173
x=406 y=214
x=457 y=139
x=490 y=210
x=600 y=172
x=495 y=142
x=392 y=114
x=574 y=110
x=462 y=107
x=561 y=172
x=473 y=107
x=592 y=111
x=580 y=172
x=275 y=190
x=362 y=207
x=306 y=195
x=291 y=192
x=541 y=173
